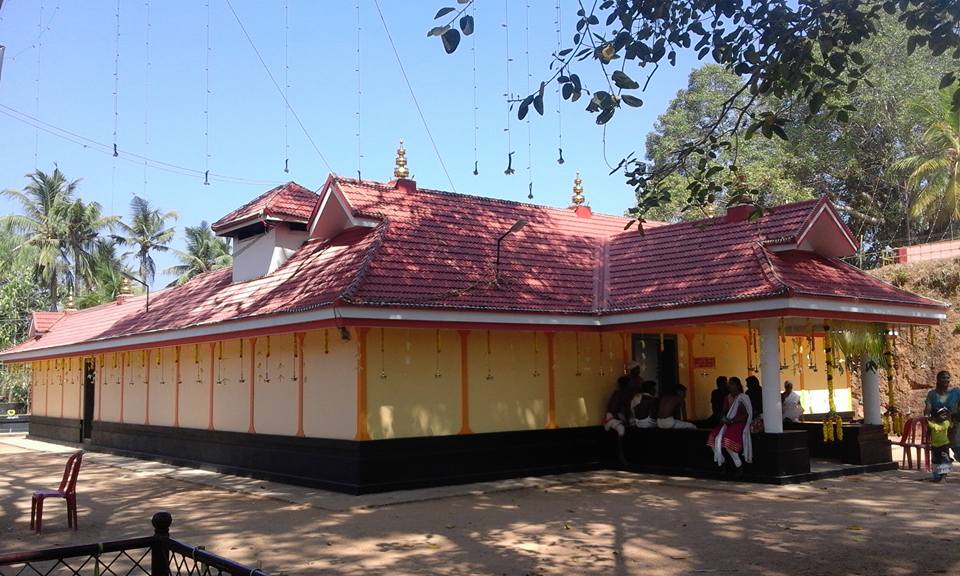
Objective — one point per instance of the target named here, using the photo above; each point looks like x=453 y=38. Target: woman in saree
x=733 y=432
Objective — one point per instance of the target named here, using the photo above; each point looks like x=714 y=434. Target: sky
x=190 y=94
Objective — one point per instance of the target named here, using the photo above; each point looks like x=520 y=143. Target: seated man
x=792 y=409
x=670 y=410
x=618 y=407
x=643 y=406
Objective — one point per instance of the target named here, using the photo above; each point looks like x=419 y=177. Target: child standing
x=939 y=427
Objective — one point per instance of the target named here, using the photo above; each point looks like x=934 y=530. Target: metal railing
x=157 y=555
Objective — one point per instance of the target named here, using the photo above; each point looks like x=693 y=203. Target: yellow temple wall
x=730 y=353
x=231 y=386
x=412 y=388
x=504 y=392
x=107 y=408
x=586 y=374
x=329 y=385
x=163 y=382
x=275 y=400
x=413 y=381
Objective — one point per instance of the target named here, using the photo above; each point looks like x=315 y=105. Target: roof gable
x=288 y=202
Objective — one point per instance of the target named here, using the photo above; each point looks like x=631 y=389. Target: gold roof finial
x=400 y=171
x=578 y=198
x=70 y=305
x=125 y=287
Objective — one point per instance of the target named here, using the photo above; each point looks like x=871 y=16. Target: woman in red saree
x=733 y=432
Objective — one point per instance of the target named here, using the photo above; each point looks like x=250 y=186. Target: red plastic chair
x=916 y=436
x=67 y=491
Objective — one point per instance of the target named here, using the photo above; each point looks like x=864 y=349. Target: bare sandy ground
x=607 y=523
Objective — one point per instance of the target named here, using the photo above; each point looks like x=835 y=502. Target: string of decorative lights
x=476 y=107
x=506 y=93
x=36 y=133
x=146 y=93
x=102 y=147
x=286 y=86
x=41 y=30
x=276 y=85
x=559 y=23
x=526 y=53
x=206 y=100
x=359 y=99
x=116 y=109
x=116 y=80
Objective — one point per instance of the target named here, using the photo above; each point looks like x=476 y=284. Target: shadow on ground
x=607 y=524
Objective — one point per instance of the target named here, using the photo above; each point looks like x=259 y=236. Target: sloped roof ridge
x=387 y=188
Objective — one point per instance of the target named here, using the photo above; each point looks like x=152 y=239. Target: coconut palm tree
x=84 y=223
x=935 y=173
x=147 y=233
x=106 y=275
x=44 y=203
x=205 y=253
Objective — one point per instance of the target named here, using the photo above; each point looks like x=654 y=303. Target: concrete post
x=870 y=384
x=770 y=375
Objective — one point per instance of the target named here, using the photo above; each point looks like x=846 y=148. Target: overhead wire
x=286 y=86
x=146 y=92
x=276 y=85
x=559 y=23
x=132 y=157
x=39 y=43
x=413 y=95
x=476 y=107
x=359 y=98
x=506 y=93
x=206 y=100
x=41 y=30
x=526 y=53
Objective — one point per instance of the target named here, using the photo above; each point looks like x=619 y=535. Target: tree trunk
x=53 y=291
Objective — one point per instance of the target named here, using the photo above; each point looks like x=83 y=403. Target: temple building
x=374 y=336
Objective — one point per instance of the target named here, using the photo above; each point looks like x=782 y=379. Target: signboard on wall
x=705 y=362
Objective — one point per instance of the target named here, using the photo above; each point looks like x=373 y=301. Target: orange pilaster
x=123 y=381
x=464 y=382
x=253 y=384
x=146 y=380
x=213 y=349
x=552 y=382
x=100 y=377
x=176 y=388
x=298 y=350
x=63 y=375
x=692 y=378
x=362 y=432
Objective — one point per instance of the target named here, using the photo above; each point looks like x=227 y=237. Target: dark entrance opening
x=658 y=365
x=89 y=389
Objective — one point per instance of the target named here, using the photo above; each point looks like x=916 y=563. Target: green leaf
x=623 y=81
x=816 y=102
x=538 y=103
x=466 y=25
x=948 y=79
x=443 y=12
x=605 y=116
x=632 y=100
x=451 y=39
x=778 y=130
x=437 y=31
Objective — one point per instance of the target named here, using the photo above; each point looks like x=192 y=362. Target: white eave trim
x=278 y=322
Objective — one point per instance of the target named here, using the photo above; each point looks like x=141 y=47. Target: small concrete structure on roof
x=370 y=324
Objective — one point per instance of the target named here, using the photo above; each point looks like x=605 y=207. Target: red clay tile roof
x=289 y=202
x=437 y=250
x=42 y=321
x=315 y=276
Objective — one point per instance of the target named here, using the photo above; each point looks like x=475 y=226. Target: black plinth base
x=862 y=444
x=60 y=429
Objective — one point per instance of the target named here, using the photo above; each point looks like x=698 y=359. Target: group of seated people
x=736 y=412
x=640 y=404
